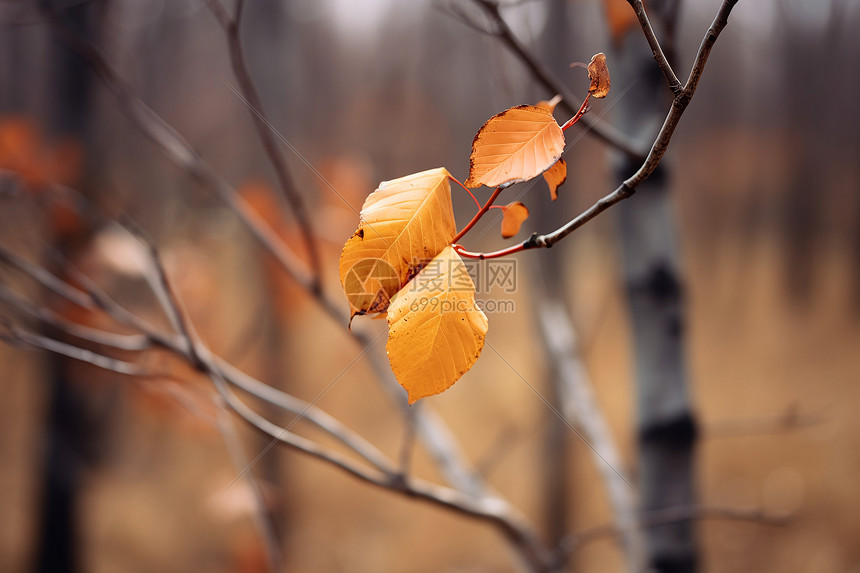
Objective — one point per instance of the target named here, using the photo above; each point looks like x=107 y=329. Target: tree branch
x=580 y=409
x=441 y=444
x=652 y=160
x=666 y=516
x=602 y=131
x=660 y=57
x=231 y=26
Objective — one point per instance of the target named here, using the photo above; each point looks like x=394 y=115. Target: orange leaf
x=513 y=215
x=555 y=177
x=598 y=73
x=515 y=145
x=404 y=224
x=436 y=330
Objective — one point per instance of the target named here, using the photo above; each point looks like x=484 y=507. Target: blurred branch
x=658 y=148
x=385 y=474
x=232 y=28
x=657 y=51
x=261 y=515
x=500 y=29
x=184 y=343
x=791 y=419
x=17 y=335
x=434 y=435
x=136 y=342
x=667 y=516
x=580 y=409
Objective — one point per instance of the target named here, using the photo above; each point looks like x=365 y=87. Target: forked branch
x=652 y=160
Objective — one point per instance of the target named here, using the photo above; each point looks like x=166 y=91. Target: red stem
x=493 y=255
x=478 y=215
x=582 y=109
x=469 y=191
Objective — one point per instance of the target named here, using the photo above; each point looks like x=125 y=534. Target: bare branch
x=136 y=342
x=658 y=149
x=231 y=28
x=660 y=57
x=437 y=439
x=580 y=409
x=669 y=515
x=262 y=517
x=100 y=360
x=492 y=510
x=180 y=152
x=595 y=127
x=47 y=279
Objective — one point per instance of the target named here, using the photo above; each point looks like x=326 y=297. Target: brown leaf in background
x=515 y=145
x=513 y=215
x=598 y=73
x=36 y=160
x=436 y=330
x=555 y=177
x=620 y=18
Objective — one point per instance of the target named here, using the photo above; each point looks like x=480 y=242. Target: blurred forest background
x=766 y=183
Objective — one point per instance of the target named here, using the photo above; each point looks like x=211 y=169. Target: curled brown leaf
x=598 y=73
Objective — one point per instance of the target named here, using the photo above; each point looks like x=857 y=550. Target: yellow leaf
x=404 y=224
x=555 y=177
x=514 y=146
x=598 y=73
x=513 y=215
x=436 y=331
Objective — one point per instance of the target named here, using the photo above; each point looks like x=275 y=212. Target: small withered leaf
x=598 y=73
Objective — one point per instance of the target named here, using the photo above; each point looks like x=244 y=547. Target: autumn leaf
x=404 y=223
x=598 y=73
x=436 y=331
x=513 y=215
x=515 y=145
x=555 y=177
x=36 y=160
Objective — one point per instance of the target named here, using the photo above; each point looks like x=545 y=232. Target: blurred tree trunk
x=666 y=425
x=70 y=426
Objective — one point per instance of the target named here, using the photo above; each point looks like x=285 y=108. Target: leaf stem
x=469 y=191
x=492 y=255
x=478 y=215
x=582 y=109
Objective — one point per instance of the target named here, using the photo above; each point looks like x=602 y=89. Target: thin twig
x=434 y=435
x=649 y=165
x=17 y=334
x=232 y=29
x=478 y=215
x=657 y=51
x=579 y=407
x=602 y=131
x=666 y=516
x=128 y=342
x=262 y=515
